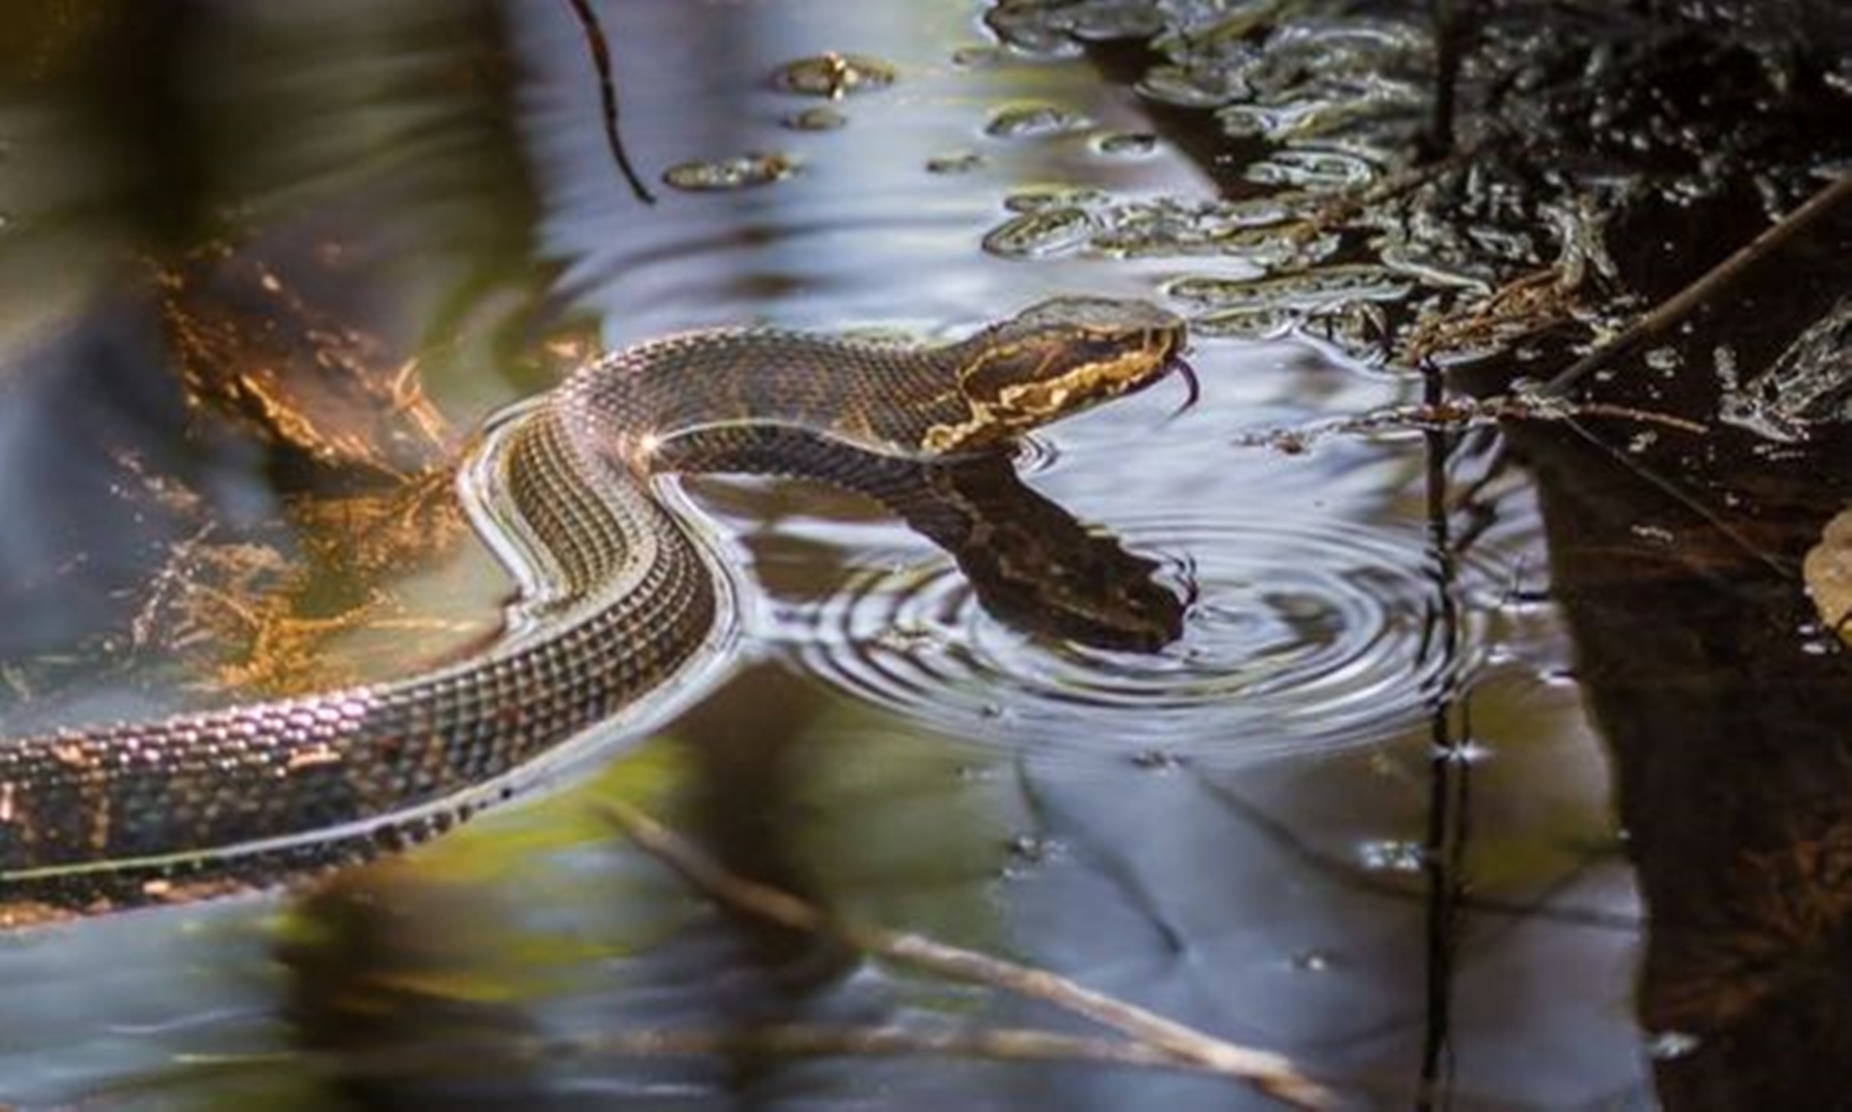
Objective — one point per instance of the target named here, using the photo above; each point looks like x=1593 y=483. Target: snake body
x=617 y=597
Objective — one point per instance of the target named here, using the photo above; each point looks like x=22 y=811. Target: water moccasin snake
x=617 y=598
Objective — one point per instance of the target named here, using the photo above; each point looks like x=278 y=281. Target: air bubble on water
x=1723 y=358
x=1032 y=849
x=1311 y=961
x=1392 y=856
x=1466 y=751
x=1667 y=1045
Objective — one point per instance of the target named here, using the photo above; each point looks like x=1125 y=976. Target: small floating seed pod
x=743 y=172
x=834 y=75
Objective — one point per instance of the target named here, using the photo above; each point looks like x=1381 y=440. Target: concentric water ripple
x=1308 y=634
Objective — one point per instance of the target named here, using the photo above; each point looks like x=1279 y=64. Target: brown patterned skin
x=618 y=598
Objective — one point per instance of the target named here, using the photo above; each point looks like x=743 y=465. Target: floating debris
x=1051 y=26
x=1390 y=855
x=1191 y=87
x=1279 y=246
x=1809 y=384
x=1035 y=198
x=1281 y=123
x=1664 y=359
x=833 y=75
x=1827 y=573
x=1256 y=229
x=958 y=162
x=1264 y=323
x=1126 y=144
x=1044 y=232
x=1156 y=760
x=1358 y=330
x=816 y=119
x=1026 y=121
x=1434 y=268
x=977 y=57
x=1259 y=234
x=1310 y=289
x=1309 y=168
x=1106 y=20
x=1030 y=27
x=743 y=172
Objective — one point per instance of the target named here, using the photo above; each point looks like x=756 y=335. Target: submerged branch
x=1006 y=1044
x=1268 y=1072
x=607 y=96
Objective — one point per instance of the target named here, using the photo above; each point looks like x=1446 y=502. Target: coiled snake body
x=617 y=598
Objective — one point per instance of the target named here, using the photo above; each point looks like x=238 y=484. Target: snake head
x=1052 y=360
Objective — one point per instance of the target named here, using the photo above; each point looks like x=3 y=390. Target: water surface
x=1236 y=829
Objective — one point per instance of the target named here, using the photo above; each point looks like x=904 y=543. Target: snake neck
x=878 y=398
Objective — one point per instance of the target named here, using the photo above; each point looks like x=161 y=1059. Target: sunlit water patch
x=1299 y=636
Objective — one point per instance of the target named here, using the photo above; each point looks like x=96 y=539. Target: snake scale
x=617 y=597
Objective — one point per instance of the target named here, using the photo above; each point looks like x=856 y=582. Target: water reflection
x=1722 y=700
x=1299 y=634
x=223 y=426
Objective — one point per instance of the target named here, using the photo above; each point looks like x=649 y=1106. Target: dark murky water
x=1238 y=830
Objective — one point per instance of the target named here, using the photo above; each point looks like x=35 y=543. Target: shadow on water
x=1720 y=690
x=1286 y=736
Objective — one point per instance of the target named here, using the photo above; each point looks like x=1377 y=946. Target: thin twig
x=1458 y=413
x=1775 y=562
x=1674 y=308
x=1008 y=1044
x=1268 y=1072
x=607 y=96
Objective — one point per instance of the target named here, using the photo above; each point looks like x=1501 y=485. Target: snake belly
x=617 y=598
